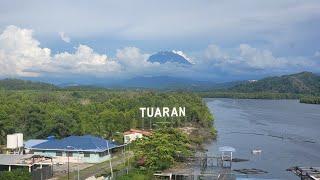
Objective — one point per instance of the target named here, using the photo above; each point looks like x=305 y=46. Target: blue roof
x=77 y=143
x=33 y=142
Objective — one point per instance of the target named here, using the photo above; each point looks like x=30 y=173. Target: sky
x=89 y=41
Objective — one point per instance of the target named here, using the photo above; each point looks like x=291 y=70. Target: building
x=41 y=167
x=77 y=149
x=32 y=142
x=134 y=134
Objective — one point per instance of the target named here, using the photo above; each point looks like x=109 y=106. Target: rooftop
x=33 y=142
x=77 y=143
x=22 y=160
x=132 y=131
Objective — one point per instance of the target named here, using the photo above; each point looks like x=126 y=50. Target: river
x=287 y=132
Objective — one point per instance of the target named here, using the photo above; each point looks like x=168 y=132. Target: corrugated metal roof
x=13 y=159
x=77 y=143
x=33 y=142
x=227 y=149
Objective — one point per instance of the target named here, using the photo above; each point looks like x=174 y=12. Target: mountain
x=166 y=82
x=168 y=56
x=301 y=83
x=17 y=84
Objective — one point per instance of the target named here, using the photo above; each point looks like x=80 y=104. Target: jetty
x=204 y=166
x=306 y=173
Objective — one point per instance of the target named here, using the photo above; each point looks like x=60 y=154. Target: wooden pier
x=306 y=173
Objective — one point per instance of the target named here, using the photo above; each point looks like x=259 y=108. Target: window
x=70 y=154
x=58 y=153
x=101 y=154
x=86 y=154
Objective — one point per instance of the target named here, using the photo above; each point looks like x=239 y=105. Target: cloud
x=83 y=61
x=260 y=59
x=132 y=57
x=214 y=52
x=246 y=59
x=21 y=55
x=20 y=52
x=64 y=37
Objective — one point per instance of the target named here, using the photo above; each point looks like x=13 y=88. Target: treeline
x=18 y=84
x=39 y=114
x=256 y=95
x=304 y=98
x=310 y=100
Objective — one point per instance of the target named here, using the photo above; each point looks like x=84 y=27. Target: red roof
x=132 y=131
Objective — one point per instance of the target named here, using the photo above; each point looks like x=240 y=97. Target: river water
x=287 y=132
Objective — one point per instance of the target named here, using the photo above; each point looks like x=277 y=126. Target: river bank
x=303 y=98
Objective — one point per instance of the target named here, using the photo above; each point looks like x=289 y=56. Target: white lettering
x=182 y=111
x=150 y=113
x=162 y=112
x=174 y=112
x=158 y=113
x=166 y=111
x=142 y=111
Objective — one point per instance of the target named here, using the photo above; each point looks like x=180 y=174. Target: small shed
x=134 y=134
x=226 y=153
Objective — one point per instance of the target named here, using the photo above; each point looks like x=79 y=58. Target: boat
x=256 y=151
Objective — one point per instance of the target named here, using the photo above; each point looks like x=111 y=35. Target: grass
x=97 y=169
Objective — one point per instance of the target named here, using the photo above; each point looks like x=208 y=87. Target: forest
x=105 y=113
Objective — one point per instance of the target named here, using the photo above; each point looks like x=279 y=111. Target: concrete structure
x=134 y=134
x=30 y=161
x=14 y=141
x=77 y=149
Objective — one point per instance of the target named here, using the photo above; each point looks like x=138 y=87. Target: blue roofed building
x=79 y=149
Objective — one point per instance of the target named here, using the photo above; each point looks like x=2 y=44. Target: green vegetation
x=162 y=149
x=39 y=114
x=304 y=86
x=17 y=174
x=137 y=175
x=301 y=83
x=256 y=95
x=310 y=100
x=17 y=84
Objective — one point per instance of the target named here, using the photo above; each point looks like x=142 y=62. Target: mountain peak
x=168 y=56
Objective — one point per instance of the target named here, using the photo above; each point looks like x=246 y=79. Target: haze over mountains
x=300 y=83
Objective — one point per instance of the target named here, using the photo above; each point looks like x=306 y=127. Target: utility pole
x=110 y=164
x=68 y=165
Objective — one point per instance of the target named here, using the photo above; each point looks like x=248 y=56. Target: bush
x=160 y=150
x=18 y=174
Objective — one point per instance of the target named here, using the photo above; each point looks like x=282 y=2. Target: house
x=77 y=149
x=134 y=134
x=32 y=142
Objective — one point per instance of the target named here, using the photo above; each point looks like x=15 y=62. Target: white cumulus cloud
x=21 y=55
x=64 y=37
x=20 y=52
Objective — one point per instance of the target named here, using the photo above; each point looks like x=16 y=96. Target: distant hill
x=166 y=82
x=300 y=83
x=17 y=84
x=168 y=56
